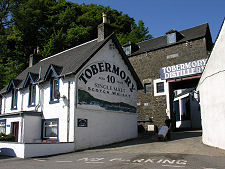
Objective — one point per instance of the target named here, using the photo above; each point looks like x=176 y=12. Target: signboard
x=183 y=69
x=106 y=86
x=82 y=122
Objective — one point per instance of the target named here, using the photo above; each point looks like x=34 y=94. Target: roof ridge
x=177 y=31
x=194 y=26
x=68 y=50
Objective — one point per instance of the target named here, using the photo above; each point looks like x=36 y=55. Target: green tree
x=138 y=33
x=54 y=26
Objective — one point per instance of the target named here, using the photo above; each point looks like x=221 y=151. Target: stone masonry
x=148 y=64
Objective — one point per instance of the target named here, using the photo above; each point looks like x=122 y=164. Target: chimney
x=35 y=57
x=31 y=60
x=104 y=29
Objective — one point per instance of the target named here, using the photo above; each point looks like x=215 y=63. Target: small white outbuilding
x=211 y=90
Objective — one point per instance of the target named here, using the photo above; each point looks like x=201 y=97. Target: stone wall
x=147 y=65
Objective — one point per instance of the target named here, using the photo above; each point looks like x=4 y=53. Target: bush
x=9 y=137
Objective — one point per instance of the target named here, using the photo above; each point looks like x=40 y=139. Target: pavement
x=181 y=142
x=184 y=150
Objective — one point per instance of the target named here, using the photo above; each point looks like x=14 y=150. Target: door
x=15 y=130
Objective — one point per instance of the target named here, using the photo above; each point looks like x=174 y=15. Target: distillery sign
x=106 y=86
x=183 y=69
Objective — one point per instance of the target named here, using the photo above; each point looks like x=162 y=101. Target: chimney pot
x=104 y=17
x=31 y=60
x=104 y=29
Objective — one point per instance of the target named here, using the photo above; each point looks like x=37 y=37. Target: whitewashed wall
x=22 y=101
x=59 y=110
x=211 y=88
x=9 y=122
x=105 y=127
x=12 y=149
x=34 y=150
x=50 y=111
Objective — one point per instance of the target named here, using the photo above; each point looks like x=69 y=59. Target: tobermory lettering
x=96 y=68
x=183 y=69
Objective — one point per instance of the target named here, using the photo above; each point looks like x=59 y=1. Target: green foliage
x=53 y=26
x=138 y=33
x=9 y=137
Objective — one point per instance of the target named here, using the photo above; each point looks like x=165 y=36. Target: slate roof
x=161 y=42
x=72 y=61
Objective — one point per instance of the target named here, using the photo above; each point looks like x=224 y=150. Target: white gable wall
x=104 y=126
x=211 y=88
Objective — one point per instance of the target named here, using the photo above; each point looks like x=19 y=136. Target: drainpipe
x=68 y=112
x=22 y=130
x=74 y=112
x=38 y=105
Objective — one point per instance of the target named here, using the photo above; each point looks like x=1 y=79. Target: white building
x=80 y=98
x=211 y=89
x=187 y=109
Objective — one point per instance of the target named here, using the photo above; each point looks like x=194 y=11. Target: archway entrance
x=183 y=101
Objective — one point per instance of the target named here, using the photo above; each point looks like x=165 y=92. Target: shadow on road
x=186 y=134
x=3 y=157
x=145 y=138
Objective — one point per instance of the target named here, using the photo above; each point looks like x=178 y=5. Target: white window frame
x=14 y=99
x=32 y=95
x=155 y=87
x=50 y=125
x=3 y=125
x=54 y=90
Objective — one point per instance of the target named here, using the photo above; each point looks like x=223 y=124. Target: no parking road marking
x=163 y=162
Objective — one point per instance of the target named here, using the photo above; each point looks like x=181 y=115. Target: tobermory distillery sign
x=183 y=69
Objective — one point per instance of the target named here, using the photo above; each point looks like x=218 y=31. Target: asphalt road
x=185 y=150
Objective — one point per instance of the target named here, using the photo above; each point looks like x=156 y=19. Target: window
x=54 y=90
x=148 y=87
x=171 y=38
x=32 y=94
x=160 y=87
x=127 y=49
x=50 y=129
x=2 y=126
x=14 y=99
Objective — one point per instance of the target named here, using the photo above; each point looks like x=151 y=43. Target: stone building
x=166 y=65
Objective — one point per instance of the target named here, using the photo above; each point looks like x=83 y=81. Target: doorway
x=15 y=130
x=184 y=106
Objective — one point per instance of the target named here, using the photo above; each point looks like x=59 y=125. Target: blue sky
x=162 y=15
